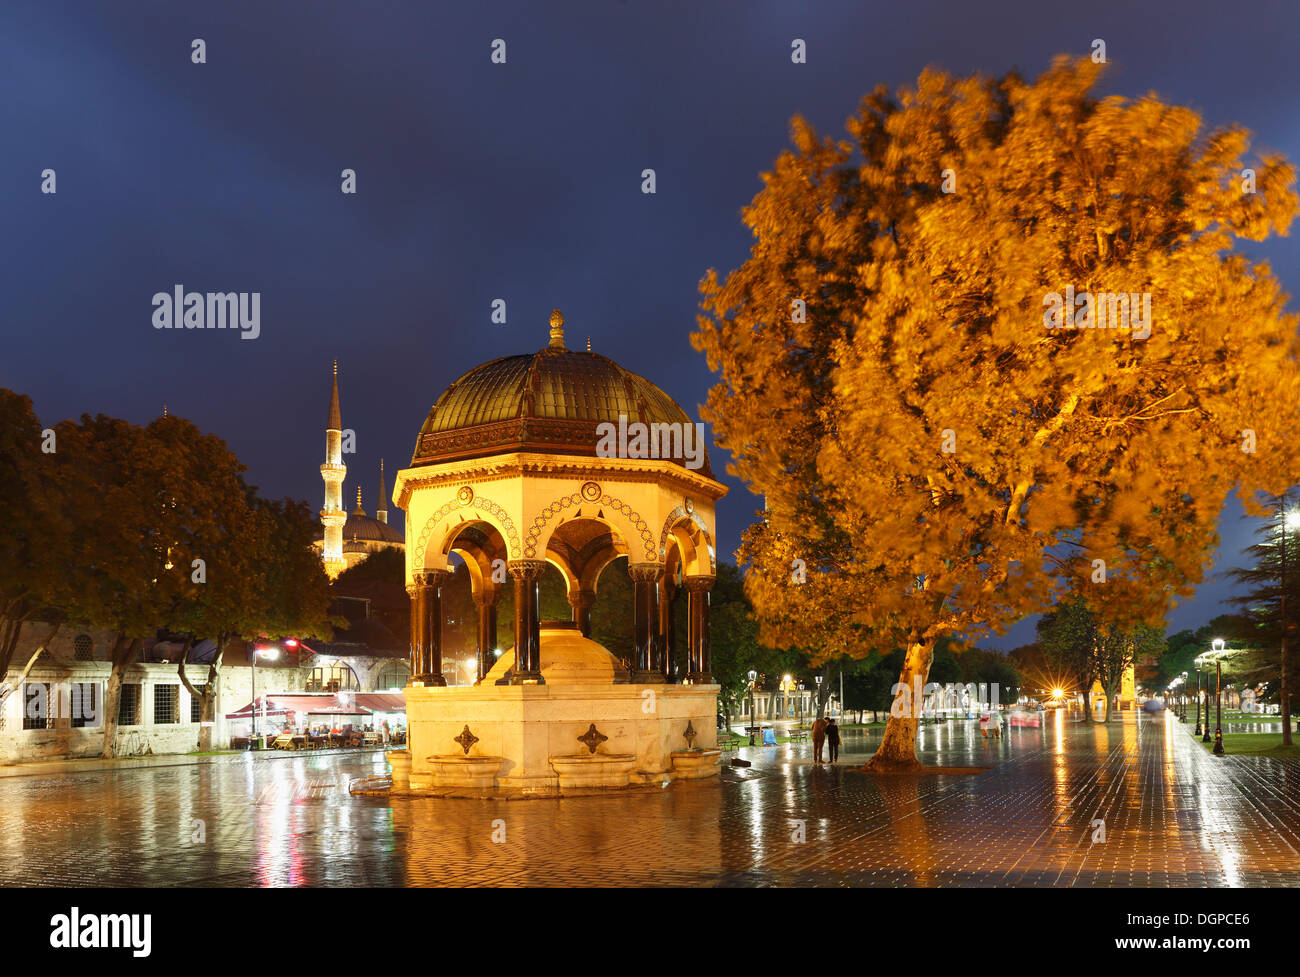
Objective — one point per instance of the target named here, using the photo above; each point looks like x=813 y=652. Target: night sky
x=476 y=181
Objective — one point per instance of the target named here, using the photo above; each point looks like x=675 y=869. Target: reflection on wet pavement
x=1173 y=816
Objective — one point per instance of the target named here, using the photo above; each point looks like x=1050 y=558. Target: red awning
x=381 y=701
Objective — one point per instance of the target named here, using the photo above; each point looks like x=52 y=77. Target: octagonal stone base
x=524 y=727
x=399 y=761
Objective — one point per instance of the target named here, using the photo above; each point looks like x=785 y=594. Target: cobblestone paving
x=1174 y=816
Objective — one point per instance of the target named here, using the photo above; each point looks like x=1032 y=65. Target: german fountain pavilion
x=512 y=470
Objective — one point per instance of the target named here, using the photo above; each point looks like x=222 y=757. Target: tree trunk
x=1284 y=691
x=824 y=692
x=898 y=746
x=124 y=652
x=207 y=714
x=208 y=698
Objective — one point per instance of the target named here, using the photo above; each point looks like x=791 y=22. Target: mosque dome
x=363 y=534
x=549 y=402
x=361 y=528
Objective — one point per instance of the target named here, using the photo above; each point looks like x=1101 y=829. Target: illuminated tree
x=940 y=460
x=35 y=538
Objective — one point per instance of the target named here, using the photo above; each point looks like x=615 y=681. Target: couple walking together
x=825 y=733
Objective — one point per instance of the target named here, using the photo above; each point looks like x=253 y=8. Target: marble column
x=431 y=605
x=700 y=655
x=415 y=591
x=486 y=605
x=645 y=622
x=667 y=640
x=581 y=601
x=528 y=645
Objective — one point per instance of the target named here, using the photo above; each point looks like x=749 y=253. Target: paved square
x=1174 y=816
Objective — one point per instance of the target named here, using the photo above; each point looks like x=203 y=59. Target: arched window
x=83 y=649
x=333 y=677
x=393 y=676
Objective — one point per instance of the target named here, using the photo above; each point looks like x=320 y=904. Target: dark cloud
x=476 y=182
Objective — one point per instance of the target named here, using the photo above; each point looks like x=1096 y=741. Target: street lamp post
x=1197 y=663
x=1183 y=689
x=271 y=653
x=1218 y=707
x=1205 y=733
x=753 y=677
x=801 y=688
x=1290 y=520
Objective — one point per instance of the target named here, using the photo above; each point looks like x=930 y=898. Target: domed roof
x=366 y=529
x=549 y=402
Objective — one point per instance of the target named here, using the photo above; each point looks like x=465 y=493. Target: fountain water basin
x=458 y=770
x=594 y=769
x=695 y=764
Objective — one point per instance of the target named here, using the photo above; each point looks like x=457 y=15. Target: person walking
x=833 y=739
x=819 y=739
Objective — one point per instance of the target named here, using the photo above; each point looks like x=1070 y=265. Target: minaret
x=382 y=512
x=333 y=517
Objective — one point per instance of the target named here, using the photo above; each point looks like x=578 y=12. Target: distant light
x=497 y=653
x=1293 y=519
x=291 y=642
x=268 y=652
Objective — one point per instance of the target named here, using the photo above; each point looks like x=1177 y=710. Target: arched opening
x=392 y=677
x=333 y=676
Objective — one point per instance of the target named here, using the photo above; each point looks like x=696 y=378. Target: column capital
x=488 y=599
x=645 y=572
x=697 y=584
x=526 y=569
x=428 y=578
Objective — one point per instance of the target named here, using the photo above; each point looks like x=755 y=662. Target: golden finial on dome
x=557 y=329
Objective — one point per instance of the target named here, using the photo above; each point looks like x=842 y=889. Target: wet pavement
x=1173 y=816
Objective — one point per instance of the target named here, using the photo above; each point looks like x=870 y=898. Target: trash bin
x=769 y=736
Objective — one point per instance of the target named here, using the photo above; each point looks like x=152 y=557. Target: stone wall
x=52 y=697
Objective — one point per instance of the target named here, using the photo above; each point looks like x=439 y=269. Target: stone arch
x=479 y=551
x=488 y=511
x=689 y=549
x=640 y=541
x=571 y=581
